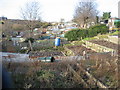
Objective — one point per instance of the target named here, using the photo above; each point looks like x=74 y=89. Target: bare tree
x=85 y=13
x=31 y=15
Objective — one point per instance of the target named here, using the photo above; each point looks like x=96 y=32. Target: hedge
x=78 y=34
x=97 y=29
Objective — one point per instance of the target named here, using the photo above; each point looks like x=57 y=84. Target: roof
x=45 y=58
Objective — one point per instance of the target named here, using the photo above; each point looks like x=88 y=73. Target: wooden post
x=31 y=48
x=84 y=55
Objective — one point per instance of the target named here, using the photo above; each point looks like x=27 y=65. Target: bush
x=71 y=35
x=78 y=34
x=97 y=29
x=92 y=31
x=103 y=29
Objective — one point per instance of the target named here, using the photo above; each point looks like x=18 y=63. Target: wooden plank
x=78 y=77
x=101 y=85
x=100 y=47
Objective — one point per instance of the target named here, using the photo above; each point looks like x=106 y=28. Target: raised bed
x=78 y=50
x=105 y=70
x=105 y=43
x=45 y=54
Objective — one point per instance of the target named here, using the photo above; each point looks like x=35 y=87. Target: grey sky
x=54 y=10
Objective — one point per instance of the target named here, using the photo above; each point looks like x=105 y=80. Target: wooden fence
x=93 y=81
x=97 y=47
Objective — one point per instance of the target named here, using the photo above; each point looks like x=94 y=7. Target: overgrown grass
x=42 y=75
x=57 y=75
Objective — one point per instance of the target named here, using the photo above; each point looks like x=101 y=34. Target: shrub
x=70 y=36
x=97 y=29
x=78 y=34
x=92 y=31
x=103 y=29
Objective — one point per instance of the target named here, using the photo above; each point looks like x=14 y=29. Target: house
x=3 y=18
x=111 y=24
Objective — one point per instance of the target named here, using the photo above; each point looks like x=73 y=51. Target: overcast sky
x=54 y=10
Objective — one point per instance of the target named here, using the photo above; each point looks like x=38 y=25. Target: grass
x=86 y=39
x=102 y=36
x=66 y=45
x=90 y=38
x=115 y=33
